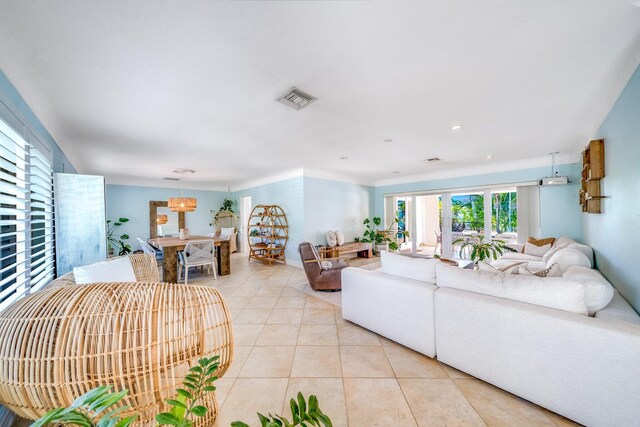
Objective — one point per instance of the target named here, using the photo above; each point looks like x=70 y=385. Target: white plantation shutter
x=26 y=217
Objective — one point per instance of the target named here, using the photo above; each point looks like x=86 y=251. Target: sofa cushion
x=421 y=269
x=509 y=268
x=535 y=250
x=553 y=271
x=117 y=270
x=618 y=309
x=339 y=237
x=568 y=257
x=599 y=291
x=558 y=293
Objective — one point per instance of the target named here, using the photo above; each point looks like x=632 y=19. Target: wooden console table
x=362 y=250
x=171 y=245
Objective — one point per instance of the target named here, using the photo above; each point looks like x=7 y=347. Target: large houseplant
x=481 y=250
x=117 y=241
x=380 y=236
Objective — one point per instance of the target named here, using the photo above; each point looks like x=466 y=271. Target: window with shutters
x=26 y=217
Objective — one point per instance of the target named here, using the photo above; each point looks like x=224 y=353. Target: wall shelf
x=592 y=173
x=270 y=222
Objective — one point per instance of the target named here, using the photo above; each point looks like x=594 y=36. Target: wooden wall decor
x=592 y=172
x=153 y=217
x=271 y=233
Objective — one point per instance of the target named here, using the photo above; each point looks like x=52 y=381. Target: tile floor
x=288 y=340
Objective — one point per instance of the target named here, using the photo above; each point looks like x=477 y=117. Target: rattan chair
x=65 y=340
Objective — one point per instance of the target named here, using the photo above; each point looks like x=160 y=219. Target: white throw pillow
x=531 y=249
x=511 y=268
x=117 y=270
x=553 y=250
x=558 y=293
x=567 y=257
x=331 y=239
x=599 y=290
x=339 y=237
x=421 y=269
x=553 y=271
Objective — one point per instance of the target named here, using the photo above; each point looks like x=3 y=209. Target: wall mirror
x=161 y=225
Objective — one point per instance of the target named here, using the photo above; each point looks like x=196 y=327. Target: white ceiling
x=133 y=89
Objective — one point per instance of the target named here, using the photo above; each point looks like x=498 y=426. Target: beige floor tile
x=237 y=302
x=407 y=363
x=245 y=291
x=261 y=302
x=269 y=292
x=339 y=319
x=438 y=402
x=285 y=316
x=290 y=302
x=316 y=361
x=454 y=373
x=268 y=362
x=249 y=396
x=279 y=335
x=313 y=302
x=252 y=316
x=558 y=420
x=223 y=387
x=376 y=402
x=386 y=342
x=318 y=316
x=318 y=335
x=246 y=334
x=499 y=408
x=365 y=362
x=291 y=292
x=330 y=394
x=240 y=354
x=356 y=335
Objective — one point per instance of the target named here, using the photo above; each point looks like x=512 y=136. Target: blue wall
x=614 y=234
x=335 y=205
x=559 y=206
x=14 y=102
x=133 y=203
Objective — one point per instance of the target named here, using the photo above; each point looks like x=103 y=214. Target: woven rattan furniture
x=268 y=223
x=64 y=340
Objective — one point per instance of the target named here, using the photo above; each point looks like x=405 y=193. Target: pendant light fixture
x=182 y=204
x=162 y=219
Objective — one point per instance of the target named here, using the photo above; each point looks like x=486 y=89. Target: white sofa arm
x=581 y=367
x=397 y=308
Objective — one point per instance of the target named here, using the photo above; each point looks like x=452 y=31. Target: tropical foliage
x=303 y=414
x=118 y=241
x=481 y=250
x=468 y=212
x=375 y=234
x=227 y=205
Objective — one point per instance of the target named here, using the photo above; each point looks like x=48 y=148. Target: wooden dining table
x=170 y=246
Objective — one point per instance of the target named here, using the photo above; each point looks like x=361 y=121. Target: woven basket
x=63 y=341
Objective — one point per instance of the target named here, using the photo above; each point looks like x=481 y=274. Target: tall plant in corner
x=118 y=241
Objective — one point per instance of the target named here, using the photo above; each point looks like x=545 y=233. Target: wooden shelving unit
x=270 y=224
x=592 y=173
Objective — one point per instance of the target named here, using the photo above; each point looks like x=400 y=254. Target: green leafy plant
x=118 y=241
x=302 y=413
x=481 y=250
x=227 y=205
x=197 y=383
x=375 y=234
x=97 y=408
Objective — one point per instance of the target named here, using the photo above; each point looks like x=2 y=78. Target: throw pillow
x=541 y=242
x=535 y=250
x=567 y=257
x=599 y=290
x=326 y=265
x=227 y=232
x=339 y=237
x=331 y=239
x=507 y=269
x=553 y=271
x=117 y=270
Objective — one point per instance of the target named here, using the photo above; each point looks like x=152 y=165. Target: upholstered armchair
x=323 y=274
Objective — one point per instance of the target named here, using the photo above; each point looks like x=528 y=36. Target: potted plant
x=380 y=237
x=255 y=236
x=117 y=241
x=481 y=250
x=227 y=205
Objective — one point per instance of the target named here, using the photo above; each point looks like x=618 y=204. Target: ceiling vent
x=433 y=159
x=296 y=99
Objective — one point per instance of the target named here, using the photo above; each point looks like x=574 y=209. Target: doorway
x=245 y=211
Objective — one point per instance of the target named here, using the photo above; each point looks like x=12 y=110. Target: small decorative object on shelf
x=592 y=173
x=184 y=234
x=268 y=234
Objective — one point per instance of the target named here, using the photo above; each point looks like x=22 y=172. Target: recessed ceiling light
x=343 y=158
x=432 y=159
x=455 y=127
x=388 y=140
x=488 y=157
x=396 y=172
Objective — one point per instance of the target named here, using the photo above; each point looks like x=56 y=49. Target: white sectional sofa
x=542 y=262
x=569 y=344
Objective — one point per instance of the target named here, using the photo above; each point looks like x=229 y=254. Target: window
x=26 y=217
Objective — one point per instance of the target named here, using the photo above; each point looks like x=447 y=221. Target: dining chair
x=197 y=253
x=148 y=249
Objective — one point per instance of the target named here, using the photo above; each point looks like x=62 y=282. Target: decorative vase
x=184 y=234
x=382 y=247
